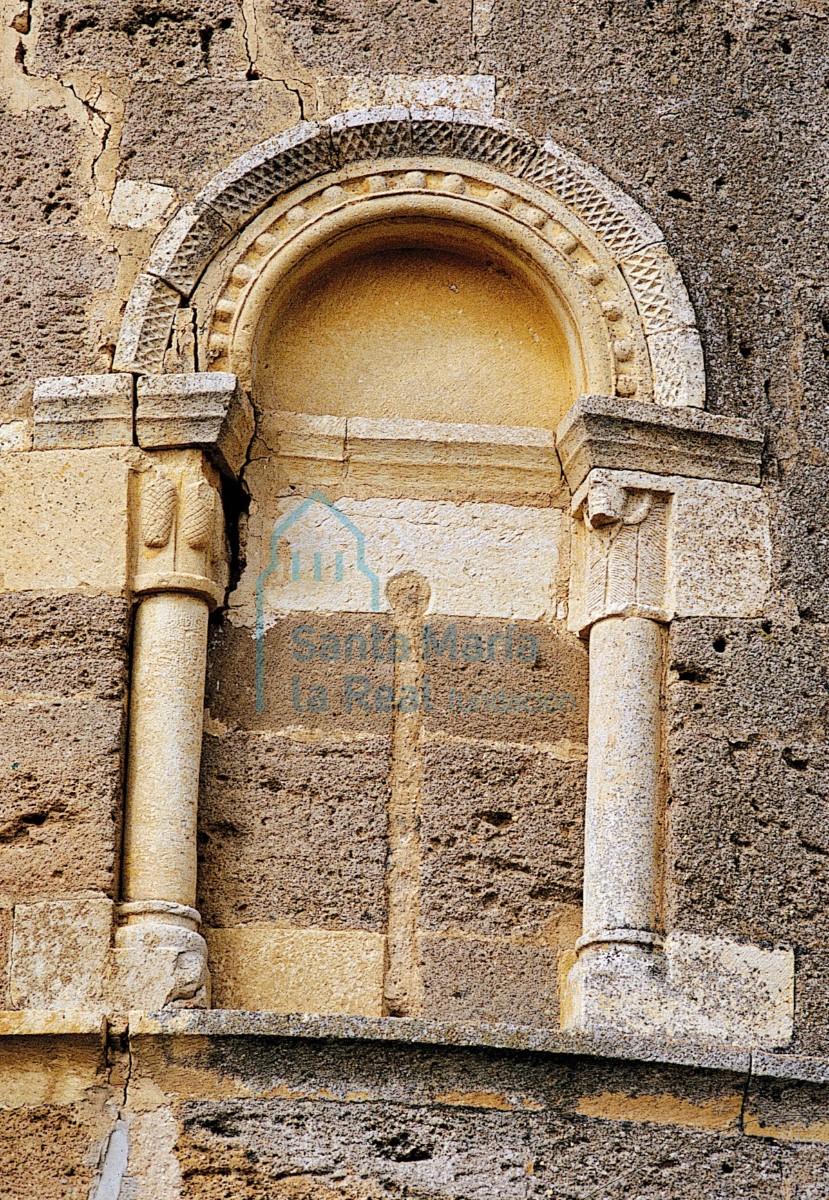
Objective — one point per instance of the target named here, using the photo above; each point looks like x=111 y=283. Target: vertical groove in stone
x=408 y=594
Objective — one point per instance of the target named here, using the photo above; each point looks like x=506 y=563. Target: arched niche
x=337 y=224
x=431 y=321
x=548 y=196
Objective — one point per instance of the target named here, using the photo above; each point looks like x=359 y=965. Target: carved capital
x=180 y=536
x=619 y=551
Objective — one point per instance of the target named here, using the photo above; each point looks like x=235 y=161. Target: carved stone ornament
x=600 y=254
x=182 y=541
x=619 y=553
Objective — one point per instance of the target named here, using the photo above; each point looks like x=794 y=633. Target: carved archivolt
x=617 y=291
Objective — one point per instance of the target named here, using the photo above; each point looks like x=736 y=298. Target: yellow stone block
x=64 y=521
x=262 y=967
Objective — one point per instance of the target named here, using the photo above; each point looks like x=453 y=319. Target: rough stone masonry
x=534 y=297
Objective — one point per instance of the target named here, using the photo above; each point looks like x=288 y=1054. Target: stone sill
x=519 y=1038
x=35 y=1022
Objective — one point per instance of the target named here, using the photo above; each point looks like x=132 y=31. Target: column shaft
x=165 y=736
x=623 y=780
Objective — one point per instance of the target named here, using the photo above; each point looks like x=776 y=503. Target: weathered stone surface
x=5 y=955
x=501 y=833
x=61 y=798
x=293 y=831
x=157 y=122
x=711 y=990
x=300 y=655
x=185 y=40
x=747 y=762
x=262 y=967
x=603 y=431
x=787 y=1110
x=811 y=1031
x=60 y=954
x=48 y=1144
x=60 y=646
x=41 y=180
x=802 y=541
x=205 y=409
x=488 y=980
x=357 y=38
x=64 y=521
x=45 y=313
x=506 y=681
x=137 y=204
x=80 y=411
x=713 y=118
x=456 y=1152
x=508 y=568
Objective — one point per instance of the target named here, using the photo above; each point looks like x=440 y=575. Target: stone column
x=161 y=957
x=651 y=489
x=621 y=575
x=169 y=660
x=623 y=782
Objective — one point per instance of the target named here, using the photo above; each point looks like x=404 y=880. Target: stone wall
x=712 y=117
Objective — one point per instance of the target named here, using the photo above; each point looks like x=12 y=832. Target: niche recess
x=419 y=321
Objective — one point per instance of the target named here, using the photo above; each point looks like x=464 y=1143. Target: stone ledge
x=34 y=1022
x=233 y=1023
x=603 y=431
x=79 y=412
x=412 y=1031
x=746 y=1061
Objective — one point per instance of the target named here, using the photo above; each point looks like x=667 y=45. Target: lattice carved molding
x=599 y=249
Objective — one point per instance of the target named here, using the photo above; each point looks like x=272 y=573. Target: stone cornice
x=617 y=434
x=205 y=410
x=224 y=1023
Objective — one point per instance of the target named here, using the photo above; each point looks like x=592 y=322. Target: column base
x=159 y=958
x=697 y=989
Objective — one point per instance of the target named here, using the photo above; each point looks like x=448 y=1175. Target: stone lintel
x=605 y=431
x=205 y=409
x=428 y=459
x=79 y=412
x=440 y=443
x=402 y=442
